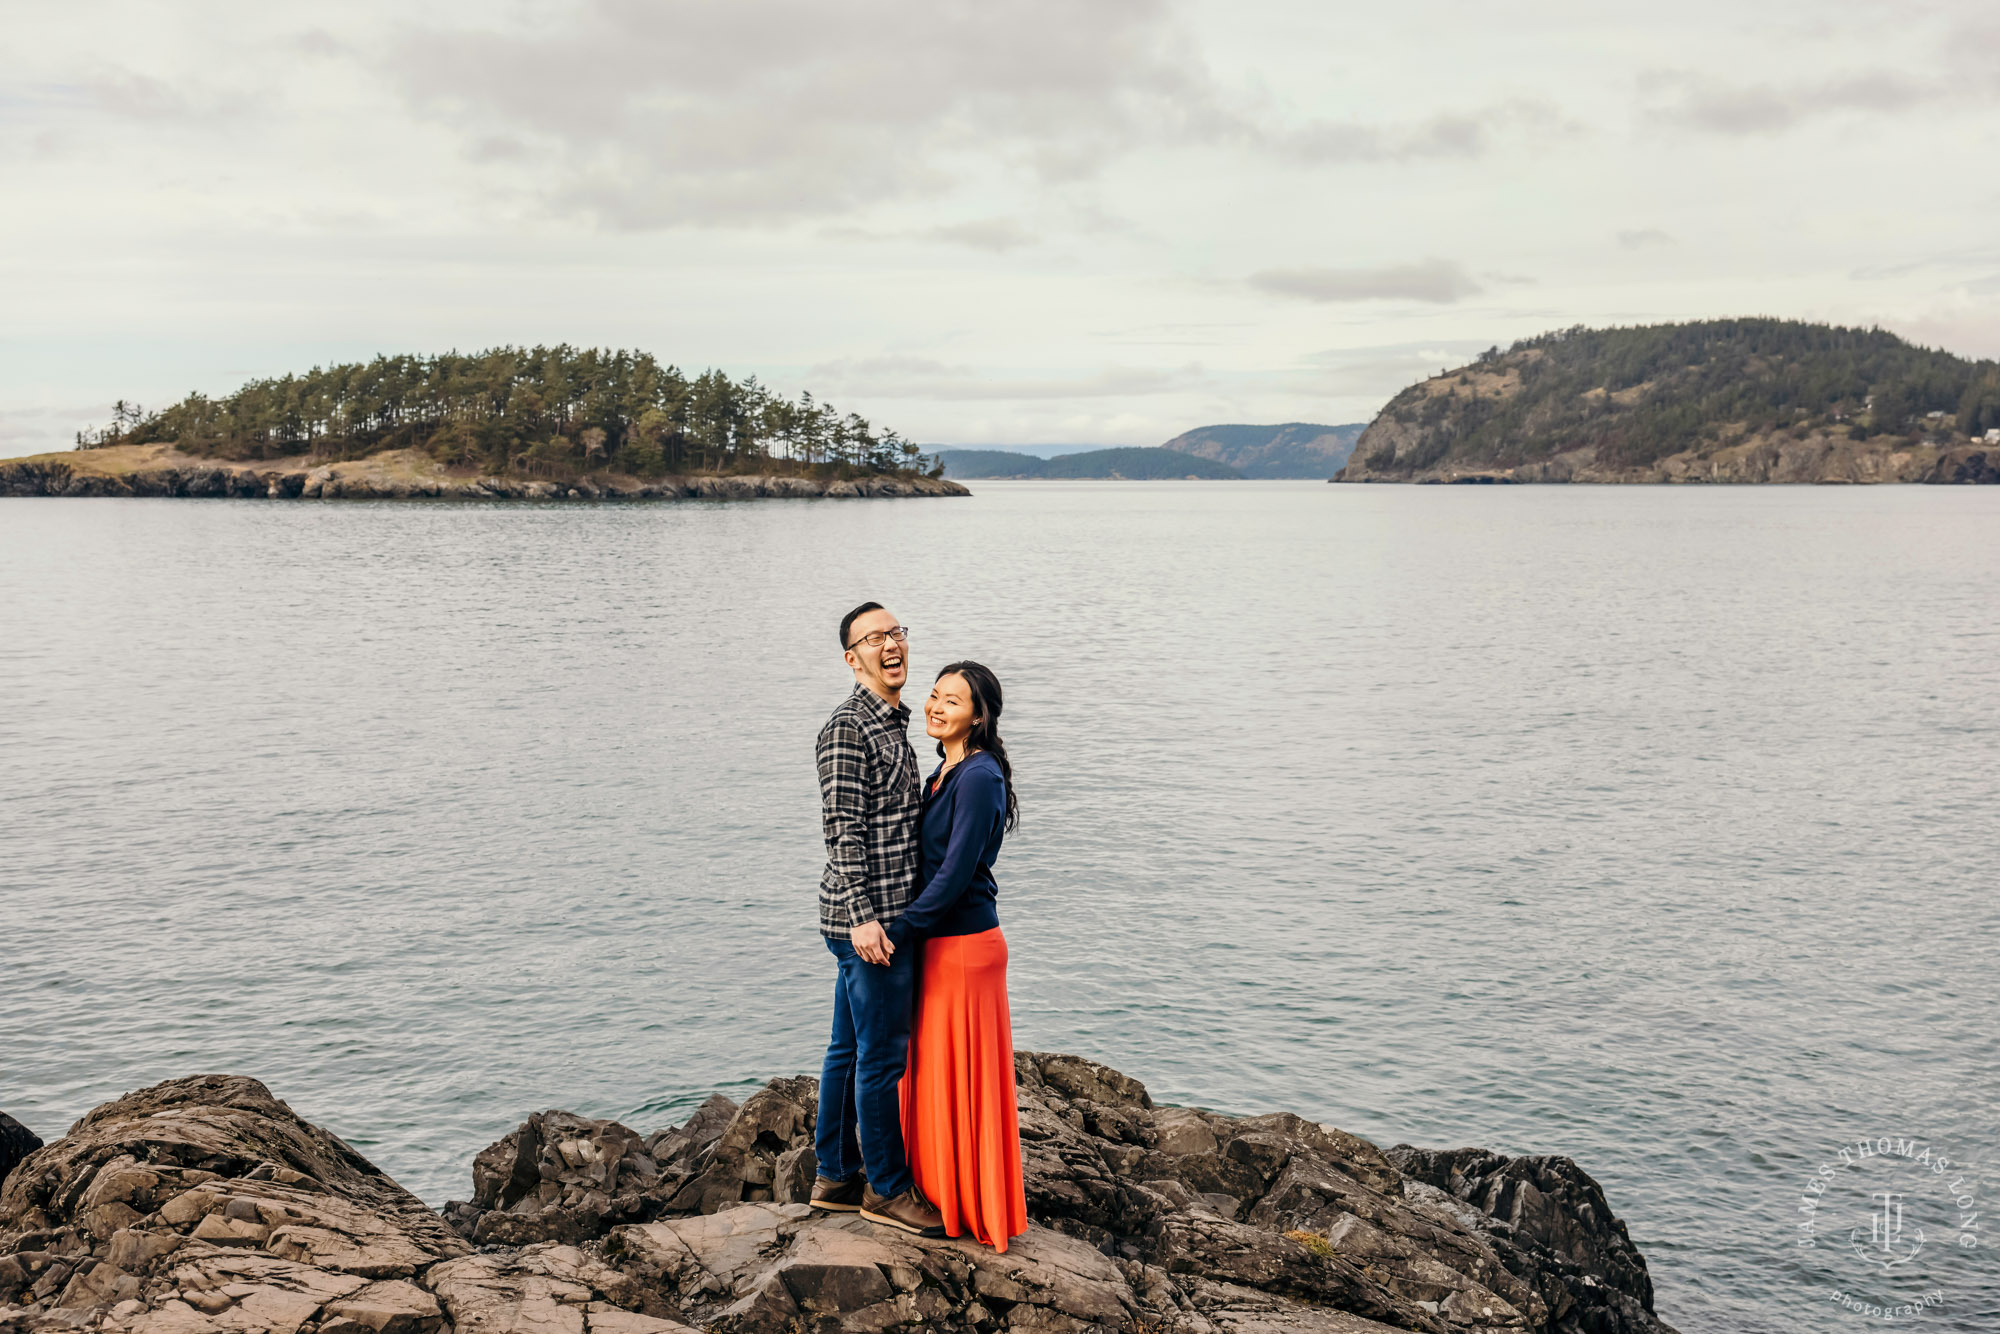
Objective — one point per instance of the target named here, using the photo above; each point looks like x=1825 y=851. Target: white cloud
x=1696 y=101
x=725 y=111
x=1439 y=281
x=1377 y=372
x=894 y=377
x=1051 y=209
x=1450 y=134
x=33 y=430
x=1640 y=238
x=995 y=235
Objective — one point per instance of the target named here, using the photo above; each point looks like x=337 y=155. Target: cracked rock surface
x=205 y=1204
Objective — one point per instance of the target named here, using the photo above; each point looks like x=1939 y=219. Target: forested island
x=1746 y=400
x=536 y=422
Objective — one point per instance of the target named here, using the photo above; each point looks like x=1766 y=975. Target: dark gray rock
x=16 y=1143
x=686 y=1143
x=797 y=1167
x=1964 y=467
x=33 y=479
x=205 y=1206
x=1549 y=1223
x=54 y=477
x=559 y=1177
x=741 y=1164
x=1204 y=1246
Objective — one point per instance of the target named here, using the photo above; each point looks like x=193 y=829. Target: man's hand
x=872 y=943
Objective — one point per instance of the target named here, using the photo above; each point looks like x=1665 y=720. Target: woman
x=958 y=1092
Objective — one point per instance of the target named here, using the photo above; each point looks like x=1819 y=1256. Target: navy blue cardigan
x=964 y=821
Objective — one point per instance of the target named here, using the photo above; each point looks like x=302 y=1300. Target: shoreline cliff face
x=1813 y=458
x=159 y=470
x=1726 y=401
x=205 y=1205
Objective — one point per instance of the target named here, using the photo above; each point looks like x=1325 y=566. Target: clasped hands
x=872 y=943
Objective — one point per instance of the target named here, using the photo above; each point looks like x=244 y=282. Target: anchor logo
x=1886 y=1245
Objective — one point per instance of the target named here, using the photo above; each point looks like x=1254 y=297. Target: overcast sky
x=1002 y=222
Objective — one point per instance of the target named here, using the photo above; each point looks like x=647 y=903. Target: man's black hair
x=847 y=621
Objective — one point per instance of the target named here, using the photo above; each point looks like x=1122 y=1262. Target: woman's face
x=948 y=712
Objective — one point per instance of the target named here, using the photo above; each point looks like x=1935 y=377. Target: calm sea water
x=1655 y=827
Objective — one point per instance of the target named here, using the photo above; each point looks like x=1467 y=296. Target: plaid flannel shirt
x=872 y=807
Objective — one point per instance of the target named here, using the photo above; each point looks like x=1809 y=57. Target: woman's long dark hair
x=985 y=734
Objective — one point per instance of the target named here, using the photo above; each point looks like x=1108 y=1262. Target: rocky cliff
x=205 y=1205
x=1815 y=457
x=158 y=470
x=1717 y=401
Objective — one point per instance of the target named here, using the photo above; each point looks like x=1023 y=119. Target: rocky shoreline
x=402 y=475
x=205 y=1205
x=1819 y=459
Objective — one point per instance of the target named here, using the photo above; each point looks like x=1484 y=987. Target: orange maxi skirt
x=959 y=1122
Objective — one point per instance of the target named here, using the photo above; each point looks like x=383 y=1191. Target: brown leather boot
x=909 y=1211
x=838 y=1196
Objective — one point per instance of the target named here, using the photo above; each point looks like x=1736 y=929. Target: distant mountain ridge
x=1042 y=450
x=1289 y=449
x=1740 y=400
x=1132 y=463
x=984 y=463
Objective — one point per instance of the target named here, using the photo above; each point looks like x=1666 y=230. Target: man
x=872 y=809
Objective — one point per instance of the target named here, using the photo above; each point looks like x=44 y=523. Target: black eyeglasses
x=877 y=638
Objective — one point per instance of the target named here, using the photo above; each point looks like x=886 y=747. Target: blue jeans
x=860 y=1112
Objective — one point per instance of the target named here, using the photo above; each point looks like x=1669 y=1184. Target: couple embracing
x=917 y=1126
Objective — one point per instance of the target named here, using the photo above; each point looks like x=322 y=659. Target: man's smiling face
x=883 y=667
